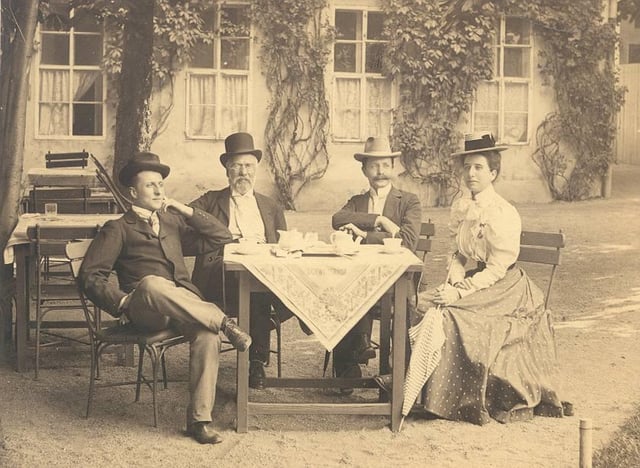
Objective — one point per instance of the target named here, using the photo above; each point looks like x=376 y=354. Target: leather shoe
x=203 y=432
x=238 y=338
x=348 y=371
x=256 y=375
x=364 y=351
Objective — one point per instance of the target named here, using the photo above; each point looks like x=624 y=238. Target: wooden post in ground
x=586 y=447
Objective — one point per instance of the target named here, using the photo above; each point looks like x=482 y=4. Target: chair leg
x=92 y=378
x=37 y=363
x=140 y=361
x=163 y=362
x=154 y=368
x=279 y=347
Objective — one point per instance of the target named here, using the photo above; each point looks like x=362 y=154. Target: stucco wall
x=196 y=168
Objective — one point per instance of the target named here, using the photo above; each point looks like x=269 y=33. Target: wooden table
x=397 y=293
x=19 y=250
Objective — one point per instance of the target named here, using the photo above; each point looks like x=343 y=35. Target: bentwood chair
x=54 y=290
x=155 y=344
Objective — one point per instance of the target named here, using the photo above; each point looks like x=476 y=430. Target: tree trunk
x=132 y=115
x=19 y=19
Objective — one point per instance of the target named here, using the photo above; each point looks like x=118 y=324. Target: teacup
x=392 y=244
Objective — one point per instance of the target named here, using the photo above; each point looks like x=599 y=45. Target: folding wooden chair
x=105 y=179
x=56 y=160
x=155 y=344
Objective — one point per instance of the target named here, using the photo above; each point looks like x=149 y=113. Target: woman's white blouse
x=487 y=230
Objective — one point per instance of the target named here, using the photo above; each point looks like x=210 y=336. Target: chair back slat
x=542 y=239
x=56 y=160
x=543 y=248
x=428 y=229
x=537 y=255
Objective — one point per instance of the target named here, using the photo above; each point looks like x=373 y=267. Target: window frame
x=71 y=67
x=502 y=81
x=363 y=76
x=217 y=72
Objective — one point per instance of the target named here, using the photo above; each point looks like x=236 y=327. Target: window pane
x=375 y=22
x=87 y=119
x=85 y=22
x=517 y=31
x=346 y=58
x=348 y=25
x=235 y=21
x=54 y=86
x=375 y=53
x=88 y=49
x=87 y=86
x=202 y=56
x=234 y=54
x=54 y=119
x=234 y=104
x=57 y=21
x=515 y=127
x=486 y=121
x=346 y=123
x=516 y=97
x=487 y=97
x=379 y=107
x=55 y=49
x=201 y=105
x=516 y=62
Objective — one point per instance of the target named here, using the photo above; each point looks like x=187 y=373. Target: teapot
x=342 y=241
x=290 y=240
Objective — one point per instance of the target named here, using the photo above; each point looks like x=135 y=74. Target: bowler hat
x=239 y=143
x=479 y=143
x=142 y=161
x=376 y=147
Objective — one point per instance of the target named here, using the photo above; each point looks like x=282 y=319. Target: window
x=502 y=104
x=218 y=77
x=634 y=53
x=70 y=83
x=362 y=97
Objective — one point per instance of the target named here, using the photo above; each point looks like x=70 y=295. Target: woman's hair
x=493 y=160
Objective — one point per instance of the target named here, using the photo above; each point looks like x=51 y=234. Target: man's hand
x=353 y=230
x=445 y=295
x=169 y=204
x=387 y=225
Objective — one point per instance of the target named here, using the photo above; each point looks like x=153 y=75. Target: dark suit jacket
x=207 y=272
x=129 y=246
x=403 y=208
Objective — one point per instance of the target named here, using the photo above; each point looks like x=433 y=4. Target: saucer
x=395 y=251
x=247 y=249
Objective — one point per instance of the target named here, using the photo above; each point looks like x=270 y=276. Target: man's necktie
x=154 y=222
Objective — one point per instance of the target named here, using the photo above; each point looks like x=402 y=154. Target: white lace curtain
x=348 y=109
x=55 y=100
x=233 y=102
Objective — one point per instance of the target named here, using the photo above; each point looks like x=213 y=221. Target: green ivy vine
x=440 y=51
x=575 y=143
x=296 y=43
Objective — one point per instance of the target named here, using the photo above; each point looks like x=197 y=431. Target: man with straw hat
x=382 y=211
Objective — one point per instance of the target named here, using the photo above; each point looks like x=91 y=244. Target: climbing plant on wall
x=295 y=45
x=440 y=51
x=574 y=144
x=438 y=66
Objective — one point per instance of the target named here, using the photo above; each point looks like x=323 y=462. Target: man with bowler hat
x=382 y=211
x=250 y=216
x=146 y=248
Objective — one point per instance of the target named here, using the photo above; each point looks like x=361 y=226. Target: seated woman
x=499 y=352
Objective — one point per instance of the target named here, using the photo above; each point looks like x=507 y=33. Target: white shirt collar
x=142 y=212
x=484 y=197
x=235 y=194
x=381 y=193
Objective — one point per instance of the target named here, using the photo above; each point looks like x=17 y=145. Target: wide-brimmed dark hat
x=376 y=147
x=239 y=143
x=142 y=161
x=479 y=143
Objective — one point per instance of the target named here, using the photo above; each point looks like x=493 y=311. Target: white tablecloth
x=329 y=293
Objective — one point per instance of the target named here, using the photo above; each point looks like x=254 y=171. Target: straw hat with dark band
x=479 y=143
x=376 y=147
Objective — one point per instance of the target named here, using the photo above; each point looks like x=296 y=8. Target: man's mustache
x=381 y=178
